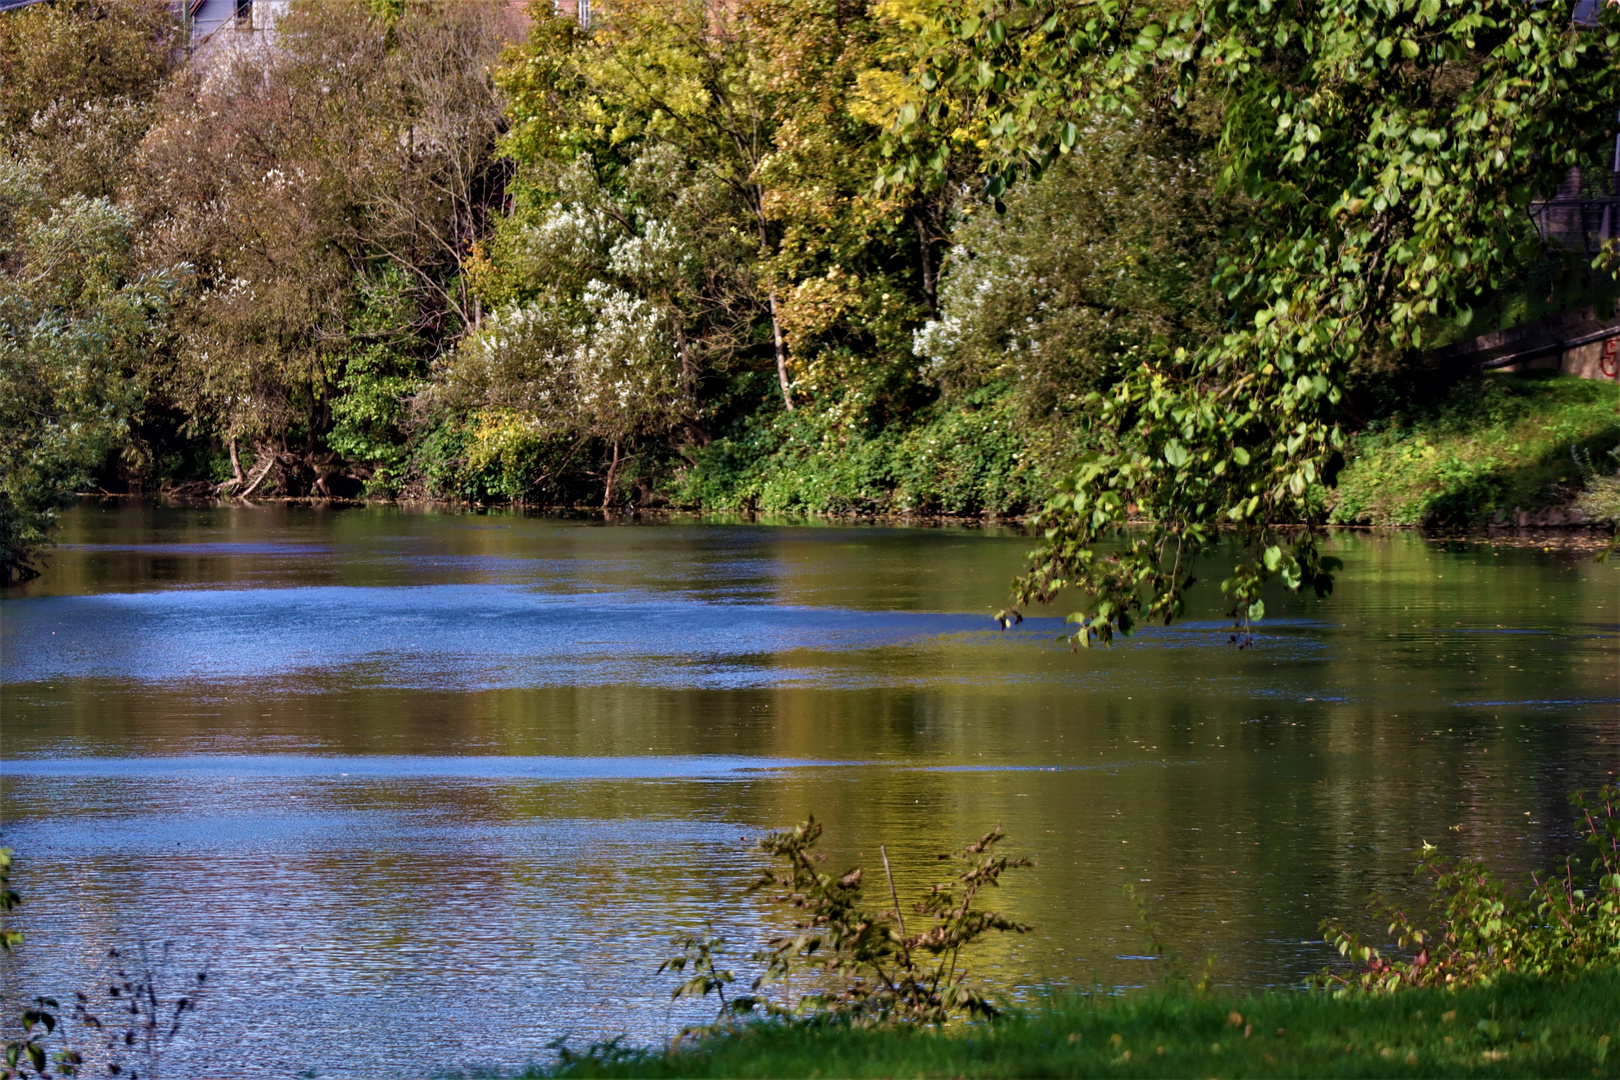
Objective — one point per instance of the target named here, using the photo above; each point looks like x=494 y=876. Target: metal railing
x=1578 y=224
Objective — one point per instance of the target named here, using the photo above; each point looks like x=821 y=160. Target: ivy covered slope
x=1384 y=155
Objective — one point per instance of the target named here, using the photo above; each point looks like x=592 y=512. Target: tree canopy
x=1144 y=264
x=1386 y=153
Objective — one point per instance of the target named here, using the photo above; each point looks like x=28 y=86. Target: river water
x=427 y=791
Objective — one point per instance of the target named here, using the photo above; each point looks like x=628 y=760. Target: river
x=427 y=790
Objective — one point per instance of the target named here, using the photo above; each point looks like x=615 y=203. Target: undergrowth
x=1600 y=500
x=1566 y=922
x=863 y=965
x=972 y=459
x=1495 y=446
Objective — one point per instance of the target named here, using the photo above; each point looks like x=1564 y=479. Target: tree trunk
x=688 y=365
x=930 y=271
x=776 y=325
x=613 y=469
x=270 y=457
x=781 y=355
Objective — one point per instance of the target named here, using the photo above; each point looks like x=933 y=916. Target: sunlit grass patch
x=1517 y=1027
x=1494 y=447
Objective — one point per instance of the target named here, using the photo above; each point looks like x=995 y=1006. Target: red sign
x=1609 y=362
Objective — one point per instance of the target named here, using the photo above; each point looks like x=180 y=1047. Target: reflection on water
x=431 y=790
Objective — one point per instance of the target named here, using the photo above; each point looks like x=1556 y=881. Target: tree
x=689 y=74
x=620 y=298
x=79 y=326
x=77 y=79
x=1388 y=153
x=352 y=155
x=1112 y=250
x=858 y=262
x=765 y=123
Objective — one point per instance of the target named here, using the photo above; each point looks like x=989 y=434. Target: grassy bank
x=1519 y=1027
x=1490 y=450
x=1494 y=448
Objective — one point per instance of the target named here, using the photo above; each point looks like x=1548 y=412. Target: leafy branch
x=1384 y=155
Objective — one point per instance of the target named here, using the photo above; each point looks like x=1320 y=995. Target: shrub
x=1570 y=919
x=1600 y=499
x=868 y=968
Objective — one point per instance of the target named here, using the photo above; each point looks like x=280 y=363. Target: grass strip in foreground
x=1518 y=1027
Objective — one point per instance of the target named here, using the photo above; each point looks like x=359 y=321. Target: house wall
x=211 y=16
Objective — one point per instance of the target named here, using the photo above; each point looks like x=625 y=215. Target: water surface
x=430 y=790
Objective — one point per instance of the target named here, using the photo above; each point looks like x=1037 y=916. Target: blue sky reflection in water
x=430 y=790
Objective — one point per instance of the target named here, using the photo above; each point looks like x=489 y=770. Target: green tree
x=1110 y=254
x=858 y=263
x=79 y=326
x=382 y=369
x=775 y=252
x=1387 y=152
x=626 y=289
x=690 y=76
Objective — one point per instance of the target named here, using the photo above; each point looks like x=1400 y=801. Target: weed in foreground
x=865 y=965
x=136 y=1021
x=1569 y=920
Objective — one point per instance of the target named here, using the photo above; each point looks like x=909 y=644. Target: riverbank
x=1519 y=1027
x=1501 y=450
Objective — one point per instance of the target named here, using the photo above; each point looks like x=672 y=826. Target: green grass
x=1519 y=1027
x=1495 y=446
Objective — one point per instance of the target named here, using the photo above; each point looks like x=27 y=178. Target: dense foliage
x=745 y=256
x=325 y=187
x=695 y=243
x=81 y=319
x=1385 y=153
